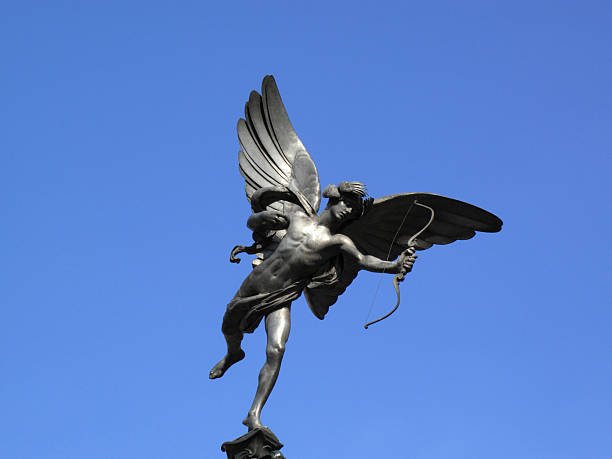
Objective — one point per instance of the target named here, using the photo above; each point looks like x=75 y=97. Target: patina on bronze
x=300 y=251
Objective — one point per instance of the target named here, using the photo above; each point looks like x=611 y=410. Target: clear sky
x=121 y=199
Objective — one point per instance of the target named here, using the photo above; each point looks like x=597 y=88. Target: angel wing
x=384 y=232
x=273 y=157
x=453 y=220
x=272 y=154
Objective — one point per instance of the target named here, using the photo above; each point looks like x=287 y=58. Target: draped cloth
x=245 y=313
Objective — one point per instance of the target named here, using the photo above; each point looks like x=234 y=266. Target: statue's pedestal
x=259 y=443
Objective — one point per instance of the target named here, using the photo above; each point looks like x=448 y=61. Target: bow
x=399 y=277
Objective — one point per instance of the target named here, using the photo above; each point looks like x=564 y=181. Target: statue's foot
x=221 y=367
x=252 y=421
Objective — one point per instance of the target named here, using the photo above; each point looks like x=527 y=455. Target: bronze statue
x=300 y=251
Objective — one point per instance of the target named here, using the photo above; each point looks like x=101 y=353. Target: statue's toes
x=215 y=373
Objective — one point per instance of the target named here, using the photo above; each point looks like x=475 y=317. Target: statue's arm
x=262 y=224
x=268 y=220
x=372 y=263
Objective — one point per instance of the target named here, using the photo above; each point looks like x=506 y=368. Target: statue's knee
x=275 y=351
x=230 y=326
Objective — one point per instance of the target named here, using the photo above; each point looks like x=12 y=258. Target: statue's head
x=347 y=200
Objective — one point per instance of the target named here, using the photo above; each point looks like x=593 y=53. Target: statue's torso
x=300 y=254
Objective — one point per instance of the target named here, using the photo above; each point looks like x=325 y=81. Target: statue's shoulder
x=339 y=240
x=297 y=214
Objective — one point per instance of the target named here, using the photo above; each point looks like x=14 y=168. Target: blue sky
x=122 y=199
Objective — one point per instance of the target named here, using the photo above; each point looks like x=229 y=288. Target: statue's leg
x=278 y=324
x=233 y=338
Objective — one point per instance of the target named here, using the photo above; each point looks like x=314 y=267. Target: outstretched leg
x=278 y=324
x=234 y=354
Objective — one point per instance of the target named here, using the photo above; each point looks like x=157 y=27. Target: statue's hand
x=235 y=251
x=406 y=260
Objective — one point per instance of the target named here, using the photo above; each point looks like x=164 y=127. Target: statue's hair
x=355 y=189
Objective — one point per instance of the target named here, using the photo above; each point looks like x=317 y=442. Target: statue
x=300 y=251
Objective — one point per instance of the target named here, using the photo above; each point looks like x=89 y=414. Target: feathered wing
x=272 y=154
x=453 y=220
x=374 y=234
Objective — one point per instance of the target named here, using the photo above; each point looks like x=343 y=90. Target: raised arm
x=371 y=263
x=267 y=220
x=262 y=224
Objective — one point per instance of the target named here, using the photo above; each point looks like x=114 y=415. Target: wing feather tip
x=268 y=79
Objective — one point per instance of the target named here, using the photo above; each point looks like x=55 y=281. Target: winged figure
x=299 y=250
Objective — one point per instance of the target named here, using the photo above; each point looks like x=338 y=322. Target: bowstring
x=387 y=259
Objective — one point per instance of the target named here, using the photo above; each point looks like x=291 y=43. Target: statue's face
x=344 y=208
